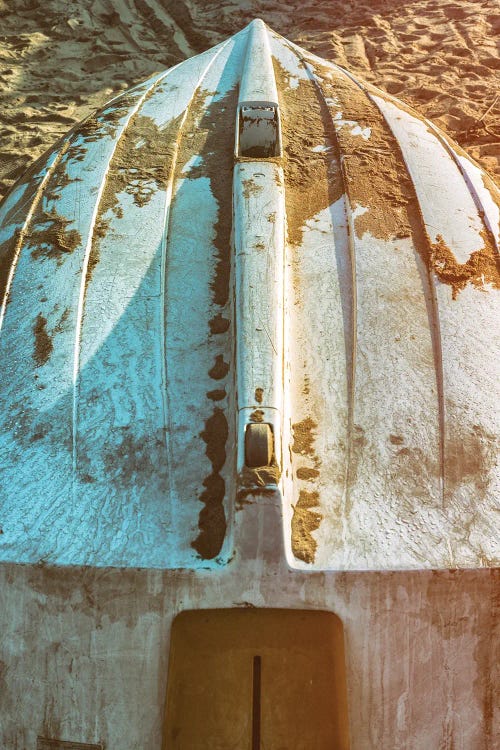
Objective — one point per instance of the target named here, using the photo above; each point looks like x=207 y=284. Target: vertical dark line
x=256 y=703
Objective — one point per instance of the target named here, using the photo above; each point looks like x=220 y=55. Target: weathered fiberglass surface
x=129 y=259
x=118 y=344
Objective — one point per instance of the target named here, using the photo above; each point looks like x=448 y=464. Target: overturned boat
x=246 y=343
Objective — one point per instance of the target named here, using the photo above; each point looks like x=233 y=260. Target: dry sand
x=60 y=60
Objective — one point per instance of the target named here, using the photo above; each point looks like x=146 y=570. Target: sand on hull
x=58 y=63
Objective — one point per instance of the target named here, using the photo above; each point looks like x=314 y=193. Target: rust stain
x=466 y=622
x=305 y=521
x=486 y=681
x=482 y=267
x=43 y=342
x=259 y=395
x=212 y=519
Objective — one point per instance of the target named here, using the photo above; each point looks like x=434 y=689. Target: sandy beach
x=59 y=61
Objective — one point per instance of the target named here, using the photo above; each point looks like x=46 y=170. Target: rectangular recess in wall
x=256 y=679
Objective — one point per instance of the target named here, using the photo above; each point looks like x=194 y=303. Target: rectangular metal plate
x=256 y=678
